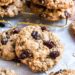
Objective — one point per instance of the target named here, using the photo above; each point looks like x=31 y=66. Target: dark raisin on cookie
x=51 y=10
x=7 y=35
x=54 y=1
x=61 y=16
x=35 y=35
x=43 y=28
x=67 y=14
x=49 y=44
x=40 y=6
x=26 y=54
x=4 y=7
x=15 y=31
x=13 y=45
x=28 y=3
x=4 y=41
x=54 y=54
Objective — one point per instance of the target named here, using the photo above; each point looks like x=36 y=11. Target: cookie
x=52 y=10
x=51 y=14
x=54 y=4
x=72 y=28
x=6 y=2
x=11 y=8
x=38 y=48
x=4 y=71
x=7 y=44
x=63 y=72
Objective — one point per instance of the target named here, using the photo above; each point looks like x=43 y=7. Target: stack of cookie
x=34 y=46
x=11 y=7
x=51 y=10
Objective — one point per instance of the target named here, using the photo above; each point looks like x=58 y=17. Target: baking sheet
x=67 y=61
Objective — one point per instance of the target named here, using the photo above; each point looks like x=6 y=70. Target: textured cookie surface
x=52 y=10
x=4 y=71
x=64 y=72
x=11 y=8
x=72 y=29
x=38 y=48
x=54 y=4
x=7 y=44
x=6 y=2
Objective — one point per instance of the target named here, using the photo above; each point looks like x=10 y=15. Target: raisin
x=49 y=44
x=25 y=54
x=15 y=31
x=61 y=16
x=40 y=6
x=67 y=14
x=54 y=1
x=51 y=10
x=4 y=7
x=35 y=35
x=43 y=28
x=54 y=54
x=4 y=41
x=13 y=45
x=28 y=3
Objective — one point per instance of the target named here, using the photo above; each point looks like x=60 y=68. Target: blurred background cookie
x=6 y=2
x=52 y=10
x=51 y=14
x=4 y=71
x=54 y=4
x=72 y=29
x=11 y=8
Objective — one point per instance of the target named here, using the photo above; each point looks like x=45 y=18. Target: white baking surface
x=67 y=61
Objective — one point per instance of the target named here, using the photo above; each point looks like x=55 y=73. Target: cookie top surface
x=51 y=14
x=63 y=72
x=11 y=8
x=6 y=2
x=4 y=71
x=54 y=4
x=72 y=28
x=38 y=48
x=7 y=44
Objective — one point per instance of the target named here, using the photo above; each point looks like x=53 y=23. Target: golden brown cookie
x=72 y=28
x=51 y=14
x=52 y=10
x=38 y=48
x=4 y=71
x=11 y=8
x=7 y=44
x=54 y=4
x=6 y=2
